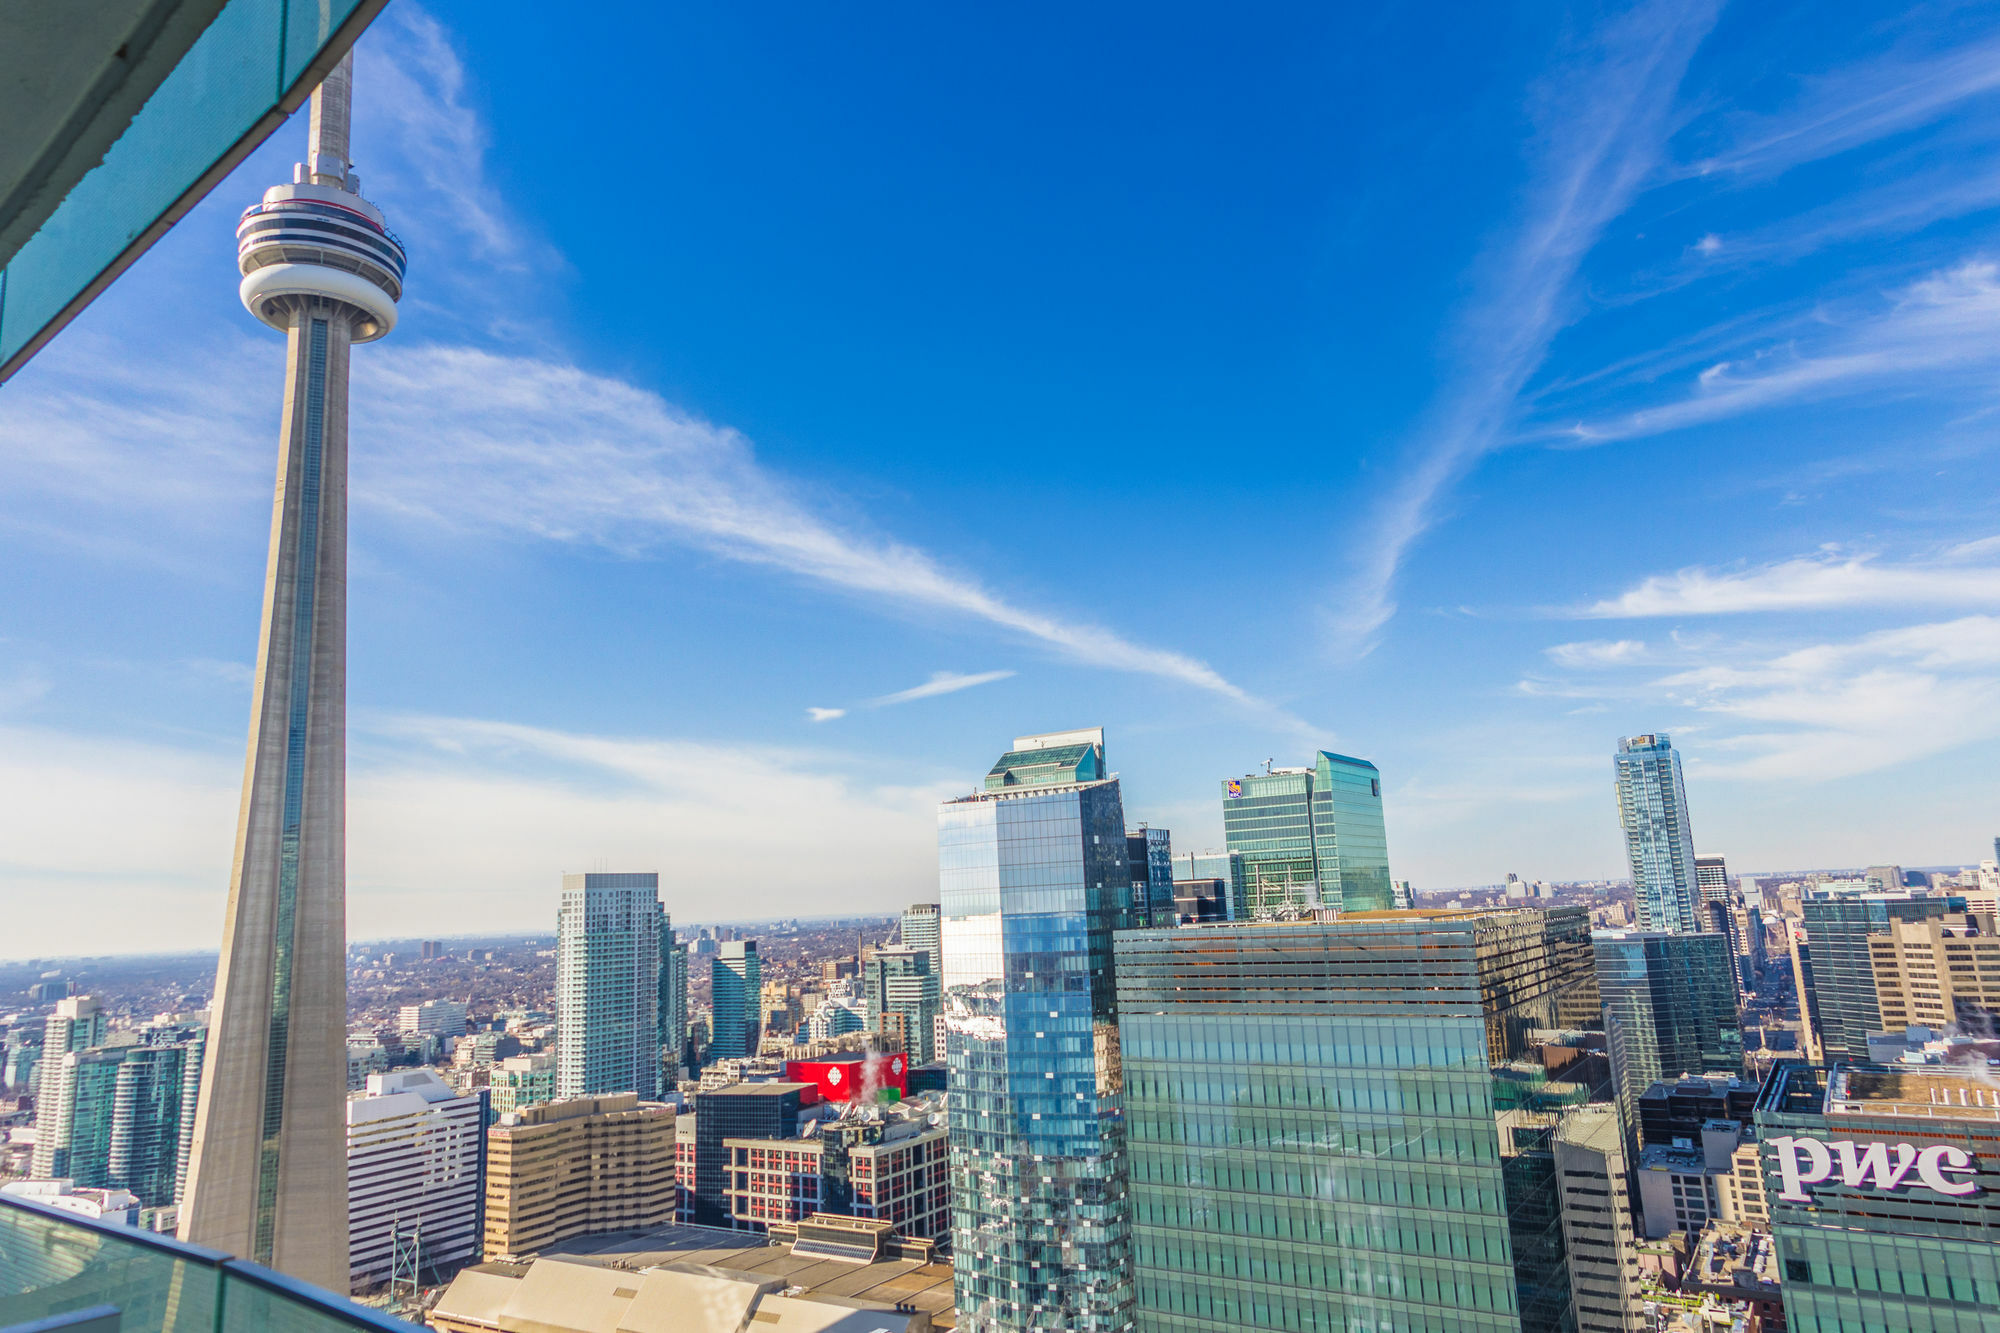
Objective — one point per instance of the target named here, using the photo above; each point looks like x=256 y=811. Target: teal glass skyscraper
x=1033 y=879
x=1311 y=836
x=736 y=992
x=1327 y=1122
x=1659 y=845
x=608 y=941
x=903 y=998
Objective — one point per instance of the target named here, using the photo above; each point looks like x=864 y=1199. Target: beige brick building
x=1937 y=972
x=577 y=1168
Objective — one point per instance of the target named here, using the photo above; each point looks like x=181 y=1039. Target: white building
x=432 y=1018
x=416 y=1168
x=119 y=1207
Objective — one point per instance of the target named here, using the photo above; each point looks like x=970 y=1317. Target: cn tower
x=268 y=1176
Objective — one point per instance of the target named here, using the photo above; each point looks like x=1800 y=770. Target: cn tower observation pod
x=319 y=240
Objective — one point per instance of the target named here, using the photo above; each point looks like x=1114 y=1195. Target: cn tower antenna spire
x=267 y=1178
x=329 y=160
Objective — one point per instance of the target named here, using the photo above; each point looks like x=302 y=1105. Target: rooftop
x=1923 y=1091
x=926 y=1286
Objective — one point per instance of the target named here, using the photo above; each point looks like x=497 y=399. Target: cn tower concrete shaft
x=268 y=1176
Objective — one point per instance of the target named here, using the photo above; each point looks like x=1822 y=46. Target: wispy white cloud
x=1835 y=709
x=1597 y=652
x=1941 y=331
x=1814 y=583
x=469 y=439
x=825 y=714
x=942 y=682
x=1603 y=119
x=1861 y=104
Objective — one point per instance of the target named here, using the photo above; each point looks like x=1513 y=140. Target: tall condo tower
x=268 y=1175
x=1652 y=805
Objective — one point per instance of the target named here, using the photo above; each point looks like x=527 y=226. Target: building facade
x=580 y=1167
x=1938 y=972
x=673 y=1006
x=1659 y=844
x=1598 y=1223
x=1232 y=894
x=117 y=1117
x=1711 y=879
x=1150 y=853
x=904 y=998
x=1310 y=836
x=736 y=984
x=1033 y=880
x=737 y=1111
x=432 y=1018
x=608 y=963
x=1884 y=1191
x=1330 y=1122
x=920 y=931
x=1841 y=981
x=1669 y=1008
x=416 y=1176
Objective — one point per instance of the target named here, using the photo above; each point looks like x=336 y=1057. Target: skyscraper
x=1711 y=879
x=1337 y=1124
x=268 y=1177
x=608 y=985
x=1844 y=1002
x=920 y=931
x=736 y=988
x=1151 y=855
x=1652 y=806
x=1033 y=880
x=1599 y=1227
x=673 y=1001
x=1669 y=1008
x=112 y=1117
x=903 y=996
x=1311 y=836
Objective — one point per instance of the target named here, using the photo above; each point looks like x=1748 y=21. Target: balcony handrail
x=257 y=1275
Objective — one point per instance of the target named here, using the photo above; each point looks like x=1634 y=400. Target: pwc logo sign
x=1941 y=1168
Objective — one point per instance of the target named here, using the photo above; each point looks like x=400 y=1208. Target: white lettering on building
x=1942 y=1168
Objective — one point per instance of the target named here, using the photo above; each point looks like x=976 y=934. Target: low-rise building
x=575 y=1168
x=831 y=1275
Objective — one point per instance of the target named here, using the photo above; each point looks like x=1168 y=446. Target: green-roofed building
x=1060 y=756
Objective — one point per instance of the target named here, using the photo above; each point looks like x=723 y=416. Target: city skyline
x=795 y=466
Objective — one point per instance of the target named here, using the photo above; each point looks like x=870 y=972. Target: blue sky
x=792 y=405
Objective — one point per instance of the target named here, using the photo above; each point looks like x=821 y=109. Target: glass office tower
x=1669 y=1008
x=1226 y=867
x=1033 y=880
x=736 y=994
x=1151 y=854
x=920 y=931
x=608 y=985
x=1659 y=846
x=1310 y=836
x=1330 y=1120
x=903 y=998
x=1843 y=1001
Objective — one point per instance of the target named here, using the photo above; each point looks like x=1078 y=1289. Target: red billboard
x=840 y=1078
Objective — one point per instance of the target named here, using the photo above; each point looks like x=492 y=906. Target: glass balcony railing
x=62 y=1271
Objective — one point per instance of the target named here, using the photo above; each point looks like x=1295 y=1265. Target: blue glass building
x=1033 y=879
x=1669 y=1008
x=1151 y=853
x=736 y=994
